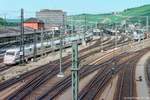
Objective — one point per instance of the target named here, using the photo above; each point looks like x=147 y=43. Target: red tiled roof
x=33 y=20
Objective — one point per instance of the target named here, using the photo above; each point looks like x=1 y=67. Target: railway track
x=100 y=81
x=66 y=83
x=60 y=87
x=96 y=86
x=147 y=70
x=126 y=86
x=54 y=62
x=44 y=76
x=81 y=58
x=38 y=81
x=126 y=83
x=12 y=81
x=4 y=67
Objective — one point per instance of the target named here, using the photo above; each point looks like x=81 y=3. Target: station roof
x=13 y=32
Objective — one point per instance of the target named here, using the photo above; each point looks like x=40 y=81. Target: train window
x=10 y=53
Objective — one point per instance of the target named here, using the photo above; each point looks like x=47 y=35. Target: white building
x=52 y=18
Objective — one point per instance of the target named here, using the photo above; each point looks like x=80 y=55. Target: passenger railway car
x=12 y=55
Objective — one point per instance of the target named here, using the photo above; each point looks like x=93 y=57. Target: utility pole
x=35 y=48
x=73 y=25
x=85 y=30
x=5 y=22
x=61 y=74
x=52 y=45
x=125 y=25
x=99 y=33
x=116 y=37
x=101 y=41
x=42 y=36
x=85 y=19
x=22 y=38
x=75 y=71
x=147 y=24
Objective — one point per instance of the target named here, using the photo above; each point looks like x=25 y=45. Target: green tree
x=2 y=21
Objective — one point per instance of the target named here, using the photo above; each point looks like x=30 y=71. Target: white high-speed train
x=12 y=55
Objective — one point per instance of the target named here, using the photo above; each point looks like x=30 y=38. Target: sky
x=12 y=7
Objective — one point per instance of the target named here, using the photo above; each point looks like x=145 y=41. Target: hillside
x=132 y=14
x=138 y=11
x=90 y=18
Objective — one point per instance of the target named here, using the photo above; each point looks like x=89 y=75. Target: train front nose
x=9 y=60
x=9 y=57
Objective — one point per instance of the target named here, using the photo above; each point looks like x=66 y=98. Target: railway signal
x=75 y=74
